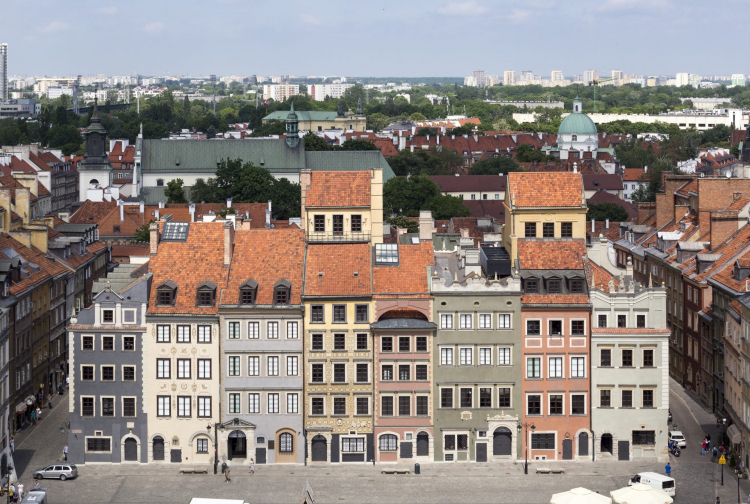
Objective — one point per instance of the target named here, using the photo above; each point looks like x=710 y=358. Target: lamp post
x=526 y=442
x=217 y=426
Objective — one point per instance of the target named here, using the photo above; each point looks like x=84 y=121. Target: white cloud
x=109 y=11
x=470 y=8
x=633 y=4
x=54 y=27
x=154 y=27
x=309 y=19
x=517 y=15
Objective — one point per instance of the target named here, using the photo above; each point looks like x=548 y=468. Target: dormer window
x=554 y=286
x=207 y=293
x=531 y=285
x=576 y=286
x=574 y=138
x=282 y=292
x=249 y=292
x=166 y=293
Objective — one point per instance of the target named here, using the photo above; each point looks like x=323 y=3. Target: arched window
x=574 y=138
x=388 y=443
x=159 y=182
x=286 y=443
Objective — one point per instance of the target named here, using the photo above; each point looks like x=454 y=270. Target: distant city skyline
x=415 y=39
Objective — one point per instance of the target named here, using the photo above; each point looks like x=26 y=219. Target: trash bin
x=416 y=468
x=223 y=467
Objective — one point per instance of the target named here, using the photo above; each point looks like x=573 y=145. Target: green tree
x=270 y=128
x=444 y=206
x=468 y=129
x=377 y=121
x=211 y=132
x=65 y=137
x=174 y=191
x=603 y=211
x=415 y=163
x=647 y=192
x=143 y=234
x=404 y=222
x=315 y=143
x=207 y=192
x=717 y=135
x=358 y=145
x=495 y=166
x=408 y=197
x=528 y=154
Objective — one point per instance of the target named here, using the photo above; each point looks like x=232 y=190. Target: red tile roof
x=598 y=277
x=44 y=271
x=338 y=189
x=606 y=181
x=551 y=255
x=330 y=270
x=634 y=175
x=535 y=190
x=546 y=299
x=469 y=183
x=486 y=208
x=409 y=276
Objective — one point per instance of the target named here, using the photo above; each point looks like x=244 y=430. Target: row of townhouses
x=334 y=342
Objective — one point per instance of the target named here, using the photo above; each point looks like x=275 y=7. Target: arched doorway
x=287 y=448
x=158 y=447
x=319 y=449
x=236 y=445
x=607 y=443
x=131 y=450
x=502 y=442
x=423 y=444
x=583 y=444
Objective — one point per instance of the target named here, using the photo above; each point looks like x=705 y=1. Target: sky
x=411 y=38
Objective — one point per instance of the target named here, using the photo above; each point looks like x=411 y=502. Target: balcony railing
x=336 y=238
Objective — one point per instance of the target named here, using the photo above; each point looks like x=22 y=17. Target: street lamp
x=526 y=442
x=217 y=426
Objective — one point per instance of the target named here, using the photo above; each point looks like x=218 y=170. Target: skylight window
x=386 y=253
x=175 y=231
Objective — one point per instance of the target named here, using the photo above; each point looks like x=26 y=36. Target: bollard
x=416 y=468
x=223 y=467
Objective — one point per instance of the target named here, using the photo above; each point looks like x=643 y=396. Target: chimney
x=270 y=210
x=304 y=182
x=593 y=226
x=606 y=224
x=191 y=211
x=575 y=167
x=156 y=214
x=153 y=230
x=464 y=232
x=645 y=169
x=425 y=225
x=40 y=238
x=5 y=203
x=428 y=138
x=268 y=219
x=437 y=138
x=229 y=203
x=122 y=210
x=161 y=204
x=228 y=242
x=141 y=207
x=23 y=204
x=629 y=268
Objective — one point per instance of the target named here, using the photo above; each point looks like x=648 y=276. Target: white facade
x=557 y=75
x=509 y=78
x=279 y=92
x=54 y=92
x=3 y=72
x=737 y=79
x=589 y=76
x=318 y=92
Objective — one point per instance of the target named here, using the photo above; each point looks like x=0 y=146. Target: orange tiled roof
x=46 y=268
x=92 y=212
x=738 y=204
x=551 y=255
x=250 y=260
x=728 y=249
x=598 y=277
x=330 y=269
x=555 y=299
x=338 y=189
x=633 y=175
x=689 y=187
x=409 y=276
x=544 y=189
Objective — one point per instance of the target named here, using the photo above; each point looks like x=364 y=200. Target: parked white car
x=678 y=438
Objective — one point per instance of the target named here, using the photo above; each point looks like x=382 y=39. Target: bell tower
x=95 y=169
x=292 y=129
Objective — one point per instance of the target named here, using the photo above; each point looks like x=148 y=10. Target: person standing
x=714 y=454
x=227 y=479
x=33 y=417
x=252 y=467
x=20 y=490
x=65 y=452
x=12 y=445
x=668 y=469
x=703 y=448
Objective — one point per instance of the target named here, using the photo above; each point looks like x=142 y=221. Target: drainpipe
x=591 y=409
x=372 y=373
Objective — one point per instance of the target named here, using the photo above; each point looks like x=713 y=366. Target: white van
x=655 y=480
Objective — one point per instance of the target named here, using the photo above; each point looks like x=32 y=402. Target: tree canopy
x=495 y=166
x=174 y=191
x=604 y=211
x=406 y=197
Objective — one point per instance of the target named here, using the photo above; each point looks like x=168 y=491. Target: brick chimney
x=154 y=238
x=425 y=225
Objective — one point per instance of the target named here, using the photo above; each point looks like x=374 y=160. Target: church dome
x=577 y=123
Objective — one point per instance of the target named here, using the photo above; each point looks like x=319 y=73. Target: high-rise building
x=617 y=76
x=509 y=77
x=589 y=76
x=737 y=79
x=3 y=71
x=527 y=75
x=557 y=75
x=479 y=76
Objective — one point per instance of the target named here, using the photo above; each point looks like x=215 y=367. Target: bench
x=193 y=470
x=395 y=471
x=543 y=470
x=557 y=470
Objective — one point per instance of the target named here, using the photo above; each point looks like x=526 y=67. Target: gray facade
x=477 y=360
x=629 y=371
x=108 y=422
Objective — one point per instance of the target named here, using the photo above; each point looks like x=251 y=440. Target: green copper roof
x=312 y=115
x=577 y=124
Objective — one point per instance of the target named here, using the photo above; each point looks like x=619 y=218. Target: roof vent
x=320 y=274
x=356 y=274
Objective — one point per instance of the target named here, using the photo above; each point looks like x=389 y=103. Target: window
x=338 y=225
x=421 y=374
x=292 y=403
x=555 y=327
x=292 y=330
x=87 y=373
x=205 y=296
x=201 y=445
x=234 y=365
x=503 y=356
x=204 y=334
x=363 y=373
x=349 y=445
x=183 y=406
x=386 y=344
x=273 y=366
x=166 y=297
x=87 y=406
x=404 y=344
x=388 y=443
x=541 y=441
x=421 y=343
x=128 y=343
x=533 y=367
x=602 y=321
x=548 y=230
x=108 y=316
x=272 y=330
x=253 y=365
x=163 y=406
x=578 y=367
x=605 y=357
x=467 y=397
x=204 y=369
x=503 y=397
x=386 y=371
x=204 y=407
x=404 y=405
x=404 y=372
x=465 y=321
x=503 y=321
x=605 y=398
x=446 y=356
x=98 y=444
x=446 y=398
x=339 y=313
x=386 y=406
x=253 y=403
x=577 y=327
x=319 y=223
x=566 y=229
x=234 y=403
x=446 y=321
x=531 y=285
x=485 y=321
x=163 y=368
x=339 y=341
x=641 y=438
x=247 y=296
x=533 y=404
x=530 y=230
x=356 y=223
x=361 y=313
x=339 y=373
x=282 y=293
x=485 y=397
x=273 y=403
x=648 y=398
x=622 y=321
x=485 y=356
x=422 y=406
x=128 y=373
x=162 y=334
x=128 y=407
x=555 y=404
x=533 y=327
x=362 y=341
x=339 y=405
x=627 y=358
x=465 y=356
x=291 y=365
x=640 y=321
x=627 y=398
x=317 y=373
x=578 y=404
x=317 y=342
x=183 y=368
x=555 y=369
x=234 y=330
x=316 y=314
x=648 y=358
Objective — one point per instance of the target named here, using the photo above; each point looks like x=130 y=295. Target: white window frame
x=453 y=398
x=570 y=327
x=203 y=331
x=562 y=327
x=202 y=369
x=181 y=369
x=574 y=370
x=272 y=365
x=549 y=402
x=585 y=403
x=272 y=403
x=162 y=331
x=122 y=406
x=510 y=356
x=114 y=406
x=541 y=367
x=128 y=311
x=292 y=403
x=161 y=366
x=541 y=403
x=446 y=355
x=466 y=321
x=496 y=398
x=446 y=321
x=526 y=327
x=234 y=332
x=183 y=403
x=557 y=370
x=292 y=330
x=181 y=333
x=234 y=403
x=202 y=400
x=254 y=368
x=292 y=365
x=504 y=321
x=253 y=403
x=253 y=330
x=465 y=356
x=272 y=330
x=485 y=356
x=231 y=367
x=485 y=321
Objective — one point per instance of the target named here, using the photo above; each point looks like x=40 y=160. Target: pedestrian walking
x=38 y=413
x=252 y=467
x=33 y=417
x=668 y=469
x=20 y=490
x=703 y=448
x=65 y=452
x=718 y=500
x=714 y=454
x=227 y=479
x=12 y=445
